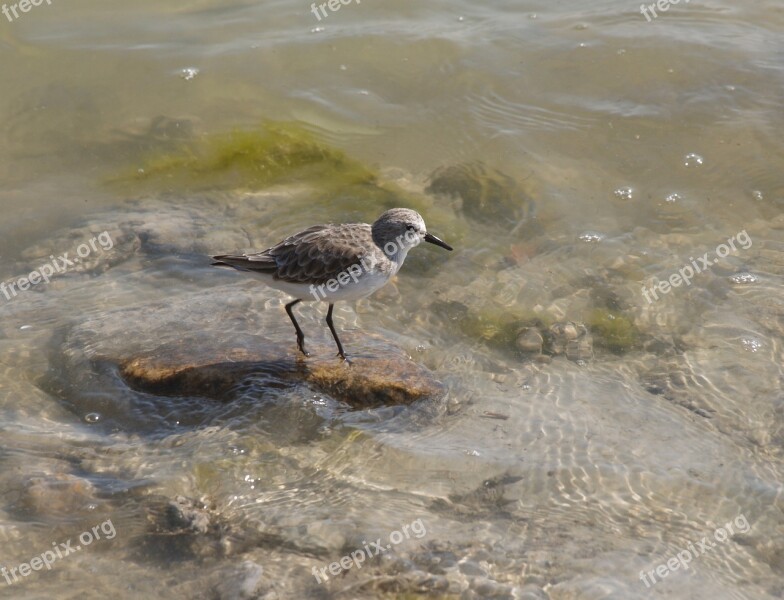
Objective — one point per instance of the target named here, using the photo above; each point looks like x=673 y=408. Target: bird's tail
x=244 y=262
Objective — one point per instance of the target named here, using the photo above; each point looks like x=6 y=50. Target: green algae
x=275 y=153
x=500 y=327
x=613 y=330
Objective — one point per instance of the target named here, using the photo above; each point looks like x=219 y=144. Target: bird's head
x=400 y=229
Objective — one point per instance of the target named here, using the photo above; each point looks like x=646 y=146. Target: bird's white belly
x=365 y=284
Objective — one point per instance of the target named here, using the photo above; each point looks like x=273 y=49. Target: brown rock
x=530 y=340
x=59 y=495
x=190 y=367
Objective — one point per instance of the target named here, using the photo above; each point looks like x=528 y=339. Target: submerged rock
x=158 y=365
x=185 y=514
x=487 y=194
x=181 y=529
x=530 y=340
x=58 y=495
x=520 y=332
x=571 y=339
x=188 y=368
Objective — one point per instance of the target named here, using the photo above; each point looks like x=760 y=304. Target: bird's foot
x=301 y=347
x=344 y=358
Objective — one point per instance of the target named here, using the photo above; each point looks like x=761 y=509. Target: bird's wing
x=314 y=255
x=247 y=262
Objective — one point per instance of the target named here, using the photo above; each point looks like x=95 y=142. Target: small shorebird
x=332 y=262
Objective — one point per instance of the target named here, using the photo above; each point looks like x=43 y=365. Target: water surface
x=638 y=146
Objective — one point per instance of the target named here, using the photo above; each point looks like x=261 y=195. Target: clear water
x=643 y=145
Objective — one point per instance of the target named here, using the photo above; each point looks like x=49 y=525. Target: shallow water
x=639 y=147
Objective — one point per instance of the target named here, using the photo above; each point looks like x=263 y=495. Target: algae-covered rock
x=253 y=159
x=190 y=368
x=499 y=327
x=487 y=194
x=571 y=339
x=613 y=330
x=520 y=331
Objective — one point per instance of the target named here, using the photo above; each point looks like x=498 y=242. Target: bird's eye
x=410 y=228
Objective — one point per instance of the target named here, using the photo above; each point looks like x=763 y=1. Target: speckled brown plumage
x=315 y=255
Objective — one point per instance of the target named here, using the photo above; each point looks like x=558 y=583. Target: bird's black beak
x=434 y=240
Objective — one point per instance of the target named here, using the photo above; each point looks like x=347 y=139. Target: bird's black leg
x=300 y=335
x=341 y=354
